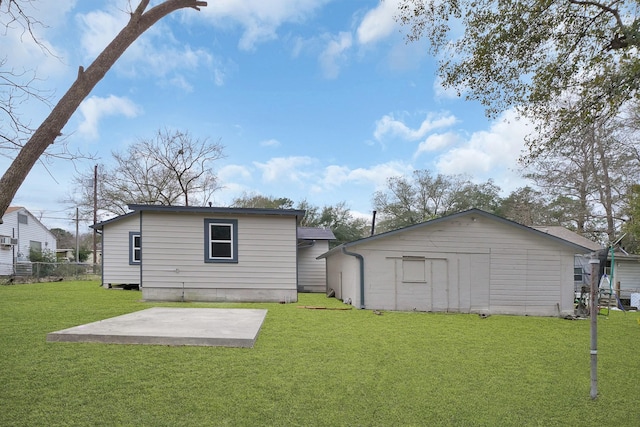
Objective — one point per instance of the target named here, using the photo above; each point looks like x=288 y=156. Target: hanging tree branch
x=51 y=127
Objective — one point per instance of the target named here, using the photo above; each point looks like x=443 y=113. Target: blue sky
x=313 y=99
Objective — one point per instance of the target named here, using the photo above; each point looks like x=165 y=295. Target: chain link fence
x=29 y=272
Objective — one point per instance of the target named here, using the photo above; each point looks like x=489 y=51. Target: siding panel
x=312 y=275
x=115 y=252
x=173 y=254
x=485 y=266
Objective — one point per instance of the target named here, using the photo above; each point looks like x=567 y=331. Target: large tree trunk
x=50 y=129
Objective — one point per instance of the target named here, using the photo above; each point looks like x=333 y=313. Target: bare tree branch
x=51 y=128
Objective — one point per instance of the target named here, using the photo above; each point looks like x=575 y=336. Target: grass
x=313 y=368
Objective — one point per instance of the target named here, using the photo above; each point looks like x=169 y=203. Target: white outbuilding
x=469 y=262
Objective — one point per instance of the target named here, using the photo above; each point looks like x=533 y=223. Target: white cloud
x=43 y=54
x=447 y=92
x=260 y=19
x=388 y=125
x=181 y=82
x=378 y=23
x=157 y=52
x=436 y=141
x=286 y=169
x=95 y=108
x=376 y=176
x=492 y=153
x=334 y=55
x=233 y=172
x=99 y=28
x=270 y=143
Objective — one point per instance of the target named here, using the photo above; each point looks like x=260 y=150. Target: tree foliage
x=172 y=168
x=46 y=134
x=423 y=196
x=255 y=200
x=338 y=218
x=64 y=239
x=530 y=54
x=587 y=178
x=631 y=228
x=526 y=206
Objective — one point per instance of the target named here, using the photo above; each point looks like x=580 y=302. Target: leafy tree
x=338 y=218
x=530 y=54
x=526 y=206
x=254 y=200
x=83 y=253
x=485 y=196
x=422 y=196
x=171 y=169
x=631 y=227
x=64 y=239
x=45 y=135
x=587 y=177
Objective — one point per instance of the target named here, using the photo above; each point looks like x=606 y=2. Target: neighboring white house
x=312 y=272
x=19 y=232
x=179 y=253
x=626 y=274
x=469 y=262
x=626 y=267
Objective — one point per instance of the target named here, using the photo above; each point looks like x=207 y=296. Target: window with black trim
x=135 y=248
x=221 y=240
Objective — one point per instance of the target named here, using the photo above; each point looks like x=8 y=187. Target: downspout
x=361 y=261
x=140 y=286
x=101 y=256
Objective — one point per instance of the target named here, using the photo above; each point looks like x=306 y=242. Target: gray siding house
x=176 y=253
x=121 y=236
x=470 y=262
x=626 y=276
x=312 y=274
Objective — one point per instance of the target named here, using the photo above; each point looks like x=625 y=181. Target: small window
x=577 y=274
x=135 y=248
x=35 y=246
x=23 y=219
x=221 y=237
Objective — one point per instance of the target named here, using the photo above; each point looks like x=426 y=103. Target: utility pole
x=593 y=311
x=95 y=214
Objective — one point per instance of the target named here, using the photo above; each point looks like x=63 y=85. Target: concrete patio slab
x=172 y=326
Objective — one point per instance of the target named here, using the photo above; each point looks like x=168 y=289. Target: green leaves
x=529 y=54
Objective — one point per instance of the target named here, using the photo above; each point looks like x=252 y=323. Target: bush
x=44 y=262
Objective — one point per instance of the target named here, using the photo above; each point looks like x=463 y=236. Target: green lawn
x=313 y=367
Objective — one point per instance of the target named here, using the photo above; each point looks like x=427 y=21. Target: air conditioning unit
x=5 y=241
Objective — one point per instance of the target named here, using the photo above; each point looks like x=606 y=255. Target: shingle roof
x=315 y=233
x=566 y=234
x=13 y=208
x=202 y=209
x=217 y=209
